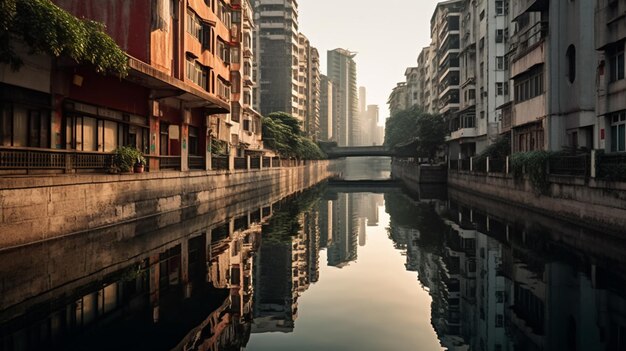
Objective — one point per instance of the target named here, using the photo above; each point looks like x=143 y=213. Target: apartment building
x=312 y=126
x=277 y=45
x=301 y=75
x=178 y=81
x=398 y=99
x=483 y=77
x=610 y=43
x=445 y=34
x=245 y=121
x=342 y=71
x=554 y=89
x=412 y=86
x=426 y=71
x=327 y=108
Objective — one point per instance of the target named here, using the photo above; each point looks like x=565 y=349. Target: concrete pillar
x=471 y=164
x=208 y=165
x=593 y=163
x=260 y=162
x=184 y=140
x=507 y=164
x=248 y=162
x=231 y=162
x=155 y=131
x=487 y=165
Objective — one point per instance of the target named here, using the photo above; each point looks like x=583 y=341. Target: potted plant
x=140 y=164
x=127 y=159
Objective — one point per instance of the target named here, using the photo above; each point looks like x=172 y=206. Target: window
x=196 y=72
x=499 y=89
x=193 y=141
x=500 y=63
x=616 y=66
x=235 y=81
x=571 y=63
x=529 y=87
x=499 y=7
x=164 y=138
x=24 y=126
x=499 y=35
x=618 y=131
x=223 y=51
x=246 y=125
x=235 y=113
x=499 y=321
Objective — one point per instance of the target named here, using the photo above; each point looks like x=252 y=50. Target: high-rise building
x=327 y=108
x=342 y=70
x=277 y=56
x=412 y=86
x=245 y=121
x=312 y=126
x=553 y=97
x=445 y=34
x=398 y=99
x=483 y=77
x=302 y=76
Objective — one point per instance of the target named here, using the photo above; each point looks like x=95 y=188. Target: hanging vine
x=48 y=29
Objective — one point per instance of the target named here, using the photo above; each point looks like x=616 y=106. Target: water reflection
x=322 y=270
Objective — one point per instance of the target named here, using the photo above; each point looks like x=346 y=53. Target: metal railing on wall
x=27 y=159
x=42 y=159
x=594 y=165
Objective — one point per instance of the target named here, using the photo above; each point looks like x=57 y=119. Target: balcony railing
x=22 y=160
x=219 y=163
x=168 y=162
x=196 y=162
x=33 y=159
x=267 y=162
x=241 y=163
x=255 y=163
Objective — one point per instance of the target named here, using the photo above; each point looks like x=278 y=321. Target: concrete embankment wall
x=592 y=203
x=40 y=208
x=414 y=175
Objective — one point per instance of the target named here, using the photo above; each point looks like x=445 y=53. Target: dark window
x=571 y=63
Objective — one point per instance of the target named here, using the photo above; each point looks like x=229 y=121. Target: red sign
x=602 y=134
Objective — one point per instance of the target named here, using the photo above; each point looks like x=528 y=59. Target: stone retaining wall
x=40 y=208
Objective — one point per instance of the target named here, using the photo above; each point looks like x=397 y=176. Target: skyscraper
x=277 y=56
x=327 y=108
x=342 y=70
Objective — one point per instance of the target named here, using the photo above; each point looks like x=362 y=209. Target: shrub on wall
x=535 y=165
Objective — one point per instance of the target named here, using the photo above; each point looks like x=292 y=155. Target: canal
x=332 y=268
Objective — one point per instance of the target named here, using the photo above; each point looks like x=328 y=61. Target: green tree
x=431 y=135
x=283 y=134
x=429 y=131
x=48 y=29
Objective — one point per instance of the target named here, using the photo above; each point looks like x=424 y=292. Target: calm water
x=328 y=269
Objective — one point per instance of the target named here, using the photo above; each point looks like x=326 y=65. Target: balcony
x=529 y=111
x=463 y=133
x=535 y=56
x=519 y=7
x=611 y=13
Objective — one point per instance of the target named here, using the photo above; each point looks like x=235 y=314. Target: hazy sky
x=388 y=36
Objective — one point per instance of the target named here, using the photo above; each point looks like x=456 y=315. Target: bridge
x=357 y=151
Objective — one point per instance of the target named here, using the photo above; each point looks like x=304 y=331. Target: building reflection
x=504 y=282
x=176 y=292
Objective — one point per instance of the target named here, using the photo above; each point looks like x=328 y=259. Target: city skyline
x=413 y=20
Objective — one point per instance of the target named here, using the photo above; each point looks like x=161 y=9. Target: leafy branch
x=48 y=29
